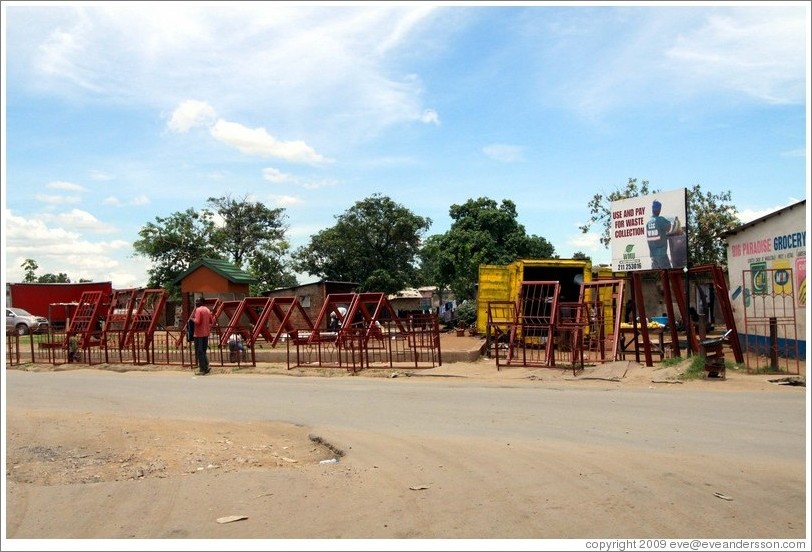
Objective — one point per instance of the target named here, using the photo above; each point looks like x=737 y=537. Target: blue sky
x=115 y=113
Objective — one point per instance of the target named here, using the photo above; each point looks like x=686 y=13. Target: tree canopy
x=252 y=235
x=709 y=216
x=30 y=267
x=482 y=232
x=172 y=244
x=240 y=231
x=375 y=243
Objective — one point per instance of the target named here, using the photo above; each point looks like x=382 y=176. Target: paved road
x=513 y=460
x=754 y=424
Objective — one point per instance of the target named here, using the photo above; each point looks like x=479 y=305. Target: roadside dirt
x=56 y=460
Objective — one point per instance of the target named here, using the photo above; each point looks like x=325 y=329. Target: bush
x=466 y=314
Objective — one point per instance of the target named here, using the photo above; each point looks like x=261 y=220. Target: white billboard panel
x=648 y=232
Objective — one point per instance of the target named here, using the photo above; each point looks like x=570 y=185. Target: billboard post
x=650 y=233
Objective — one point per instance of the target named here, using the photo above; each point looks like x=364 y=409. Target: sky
x=117 y=113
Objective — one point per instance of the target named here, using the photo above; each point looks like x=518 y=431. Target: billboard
x=648 y=232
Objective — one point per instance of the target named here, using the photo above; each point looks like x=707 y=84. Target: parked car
x=24 y=323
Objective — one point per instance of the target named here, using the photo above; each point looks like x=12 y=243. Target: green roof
x=227 y=270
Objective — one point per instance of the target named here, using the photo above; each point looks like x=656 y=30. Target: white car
x=23 y=322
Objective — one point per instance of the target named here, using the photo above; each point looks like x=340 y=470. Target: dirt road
x=461 y=451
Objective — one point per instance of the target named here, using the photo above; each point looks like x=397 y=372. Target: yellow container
x=503 y=282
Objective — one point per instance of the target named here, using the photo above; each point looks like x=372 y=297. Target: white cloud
x=99 y=175
x=430 y=116
x=504 y=152
x=257 y=141
x=284 y=200
x=62 y=185
x=190 y=114
x=136 y=201
x=139 y=200
x=748 y=214
x=303 y=232
x=751 y=51
x=79 y=220
x=62 y=57
x=276 y=176
x=56 y=199
x=588 y=243
x=674 y=56
x=59 y=250
x=322 y=183
x=298 y=62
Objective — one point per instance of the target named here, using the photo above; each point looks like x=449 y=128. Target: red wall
x=36 y=298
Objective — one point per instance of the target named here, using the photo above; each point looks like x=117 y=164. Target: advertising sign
x=648 y=232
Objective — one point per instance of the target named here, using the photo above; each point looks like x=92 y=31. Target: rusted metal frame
x=495 y=324
x=425 y=329
x=536 y=314
x=727 y=311
x=84 y=323
x=330 y=306
x=146 y=318
x=572 y=317
x=234 y=310
x=643 y=326
x=678 y=287
x=769 y=318
x=257 y=311
x=284 y=308
x=593 y=294
x=669 y=309
x=117 y=323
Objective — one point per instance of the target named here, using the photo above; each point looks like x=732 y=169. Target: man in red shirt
x=203 y=320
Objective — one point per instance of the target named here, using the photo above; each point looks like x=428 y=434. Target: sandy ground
x=56 y=461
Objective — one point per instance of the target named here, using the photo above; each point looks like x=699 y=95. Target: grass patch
x=695 y=370
x=671 y=361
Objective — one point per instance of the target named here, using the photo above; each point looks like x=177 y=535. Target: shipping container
x=52 y=300
x=503 y=282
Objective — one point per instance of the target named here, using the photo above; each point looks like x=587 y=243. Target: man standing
x=203 y=320
x=657 y=229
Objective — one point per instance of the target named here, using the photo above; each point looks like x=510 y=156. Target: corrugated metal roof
x=227 y=270
x=408 y=293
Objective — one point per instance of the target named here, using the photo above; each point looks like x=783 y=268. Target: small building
x=406 y=301
x=311 y=296
x=212 y=278
x=766 y=261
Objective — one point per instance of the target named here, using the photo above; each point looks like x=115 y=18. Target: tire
x=22 y=329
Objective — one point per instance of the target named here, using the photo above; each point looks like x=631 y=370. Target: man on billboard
x=659 y=231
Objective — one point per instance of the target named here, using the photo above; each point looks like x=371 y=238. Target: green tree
x=708 y=217
x=375 y=243
x=270 y=272
x=49 y=278
x=482 y=232
x=600 y=207
x=435 y=269
x=172 y=244
x=30 y=267
x=252 y=235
